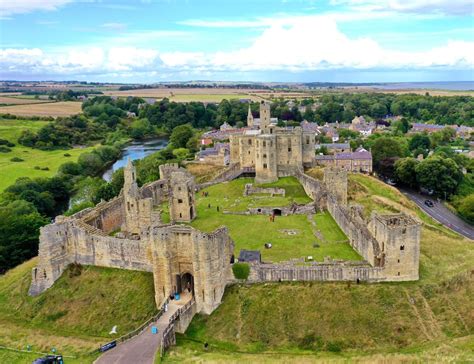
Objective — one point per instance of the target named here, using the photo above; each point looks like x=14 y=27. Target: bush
x=333 y=347
x=16 y=159
x=67 y=155
x=241 y=270
x=6 y=142
x=4 y=149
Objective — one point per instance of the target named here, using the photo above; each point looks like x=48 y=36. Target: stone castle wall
x=250 y=189
x=333 y=272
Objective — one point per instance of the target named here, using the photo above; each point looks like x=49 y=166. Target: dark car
x=50 y=359
x=429 y=203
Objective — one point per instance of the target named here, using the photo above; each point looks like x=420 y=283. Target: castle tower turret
x=181 y=199
x=335 y=180
x=265 y=117
x=266 y=167
x=399 y=239
x=249 y=118
x=138 y=211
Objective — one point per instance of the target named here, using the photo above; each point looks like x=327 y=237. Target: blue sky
x=258 y=40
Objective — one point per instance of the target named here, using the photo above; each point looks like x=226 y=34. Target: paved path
x=141 y=349
x=441 y=213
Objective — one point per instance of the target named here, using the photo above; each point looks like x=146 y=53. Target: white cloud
x=453 y=7
x=11 y=7
x=114 y=26
x=306 y=45
x=92 y=60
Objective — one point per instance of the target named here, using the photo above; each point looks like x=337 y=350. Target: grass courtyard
x=50 y=159
x=291 y=236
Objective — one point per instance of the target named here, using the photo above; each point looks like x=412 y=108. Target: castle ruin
x=128 y=233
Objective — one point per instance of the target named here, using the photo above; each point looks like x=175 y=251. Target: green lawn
x=10 y=171
x=253 y=231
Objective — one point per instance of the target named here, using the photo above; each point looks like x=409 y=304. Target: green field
x=253 y=231
x=10 y=171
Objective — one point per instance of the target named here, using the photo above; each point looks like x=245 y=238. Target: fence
x=142 y=327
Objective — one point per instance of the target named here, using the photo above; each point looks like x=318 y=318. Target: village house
x=335 y=147
x=218 y=155
x=358 y=161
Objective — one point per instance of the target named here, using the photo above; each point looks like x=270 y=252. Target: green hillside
x=76 y=315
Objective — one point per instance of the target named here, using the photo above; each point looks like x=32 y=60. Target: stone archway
x=276 y=212
x=187 y=283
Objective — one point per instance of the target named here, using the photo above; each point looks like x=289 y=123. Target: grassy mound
x=75 y=315
x=429 y=320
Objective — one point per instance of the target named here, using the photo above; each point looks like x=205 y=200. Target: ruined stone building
x=270 y=150
x=127 y=233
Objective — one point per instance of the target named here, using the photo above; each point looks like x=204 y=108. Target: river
x=134 y=151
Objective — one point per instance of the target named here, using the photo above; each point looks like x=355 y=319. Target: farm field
x=291 y=236
x=10 y=171
x=188 y=94
x=15 y=100
x=62 y=108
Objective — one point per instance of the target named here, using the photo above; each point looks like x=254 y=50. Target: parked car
x=429 y=203
x=50 y=359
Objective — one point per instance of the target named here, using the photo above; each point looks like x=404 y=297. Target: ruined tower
x=249 y=118
x=181 y=186
x=138 y=211
x=335 y=180
x=399 y=240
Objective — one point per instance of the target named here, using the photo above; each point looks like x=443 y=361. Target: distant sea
x=447 y=85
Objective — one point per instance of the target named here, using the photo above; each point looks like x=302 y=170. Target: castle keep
x=270 y=150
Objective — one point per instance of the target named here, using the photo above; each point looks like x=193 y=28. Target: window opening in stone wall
x=264 y=156
x=264 y=144
x=180 y=214
x=180 y=201
x=402 y=247
x=250 y=141
x=203 y=298
x=264 y=165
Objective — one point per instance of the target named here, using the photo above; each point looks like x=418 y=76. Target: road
x=441 y=213
x=142 y=348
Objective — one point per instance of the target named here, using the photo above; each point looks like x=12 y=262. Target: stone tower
x=181 y=198
x=264 y=116
x=249 y=118
x=399 y=239
x=335 y=180
x=138 y=211
x=266 y=168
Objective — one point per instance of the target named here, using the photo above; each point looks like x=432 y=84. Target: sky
x=146 y=41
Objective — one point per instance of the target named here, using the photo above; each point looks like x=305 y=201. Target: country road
x=441 y=213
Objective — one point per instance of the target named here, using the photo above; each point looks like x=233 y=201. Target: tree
x=441 y=175
x=405 y=172
x=19 y=231
x=181 y=135
x=419 y=141
x=385 y=148
x=91 y=163
x=466 y=208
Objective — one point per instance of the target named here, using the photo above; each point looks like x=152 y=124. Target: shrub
x=333 y=347
x=67 y=155
x=6 y=142
x=45 y=169
x=37 y=168
x=4 y=149
x=16 y=159
x=241 y=270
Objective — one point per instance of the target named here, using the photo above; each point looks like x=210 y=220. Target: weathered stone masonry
x=179 y=256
